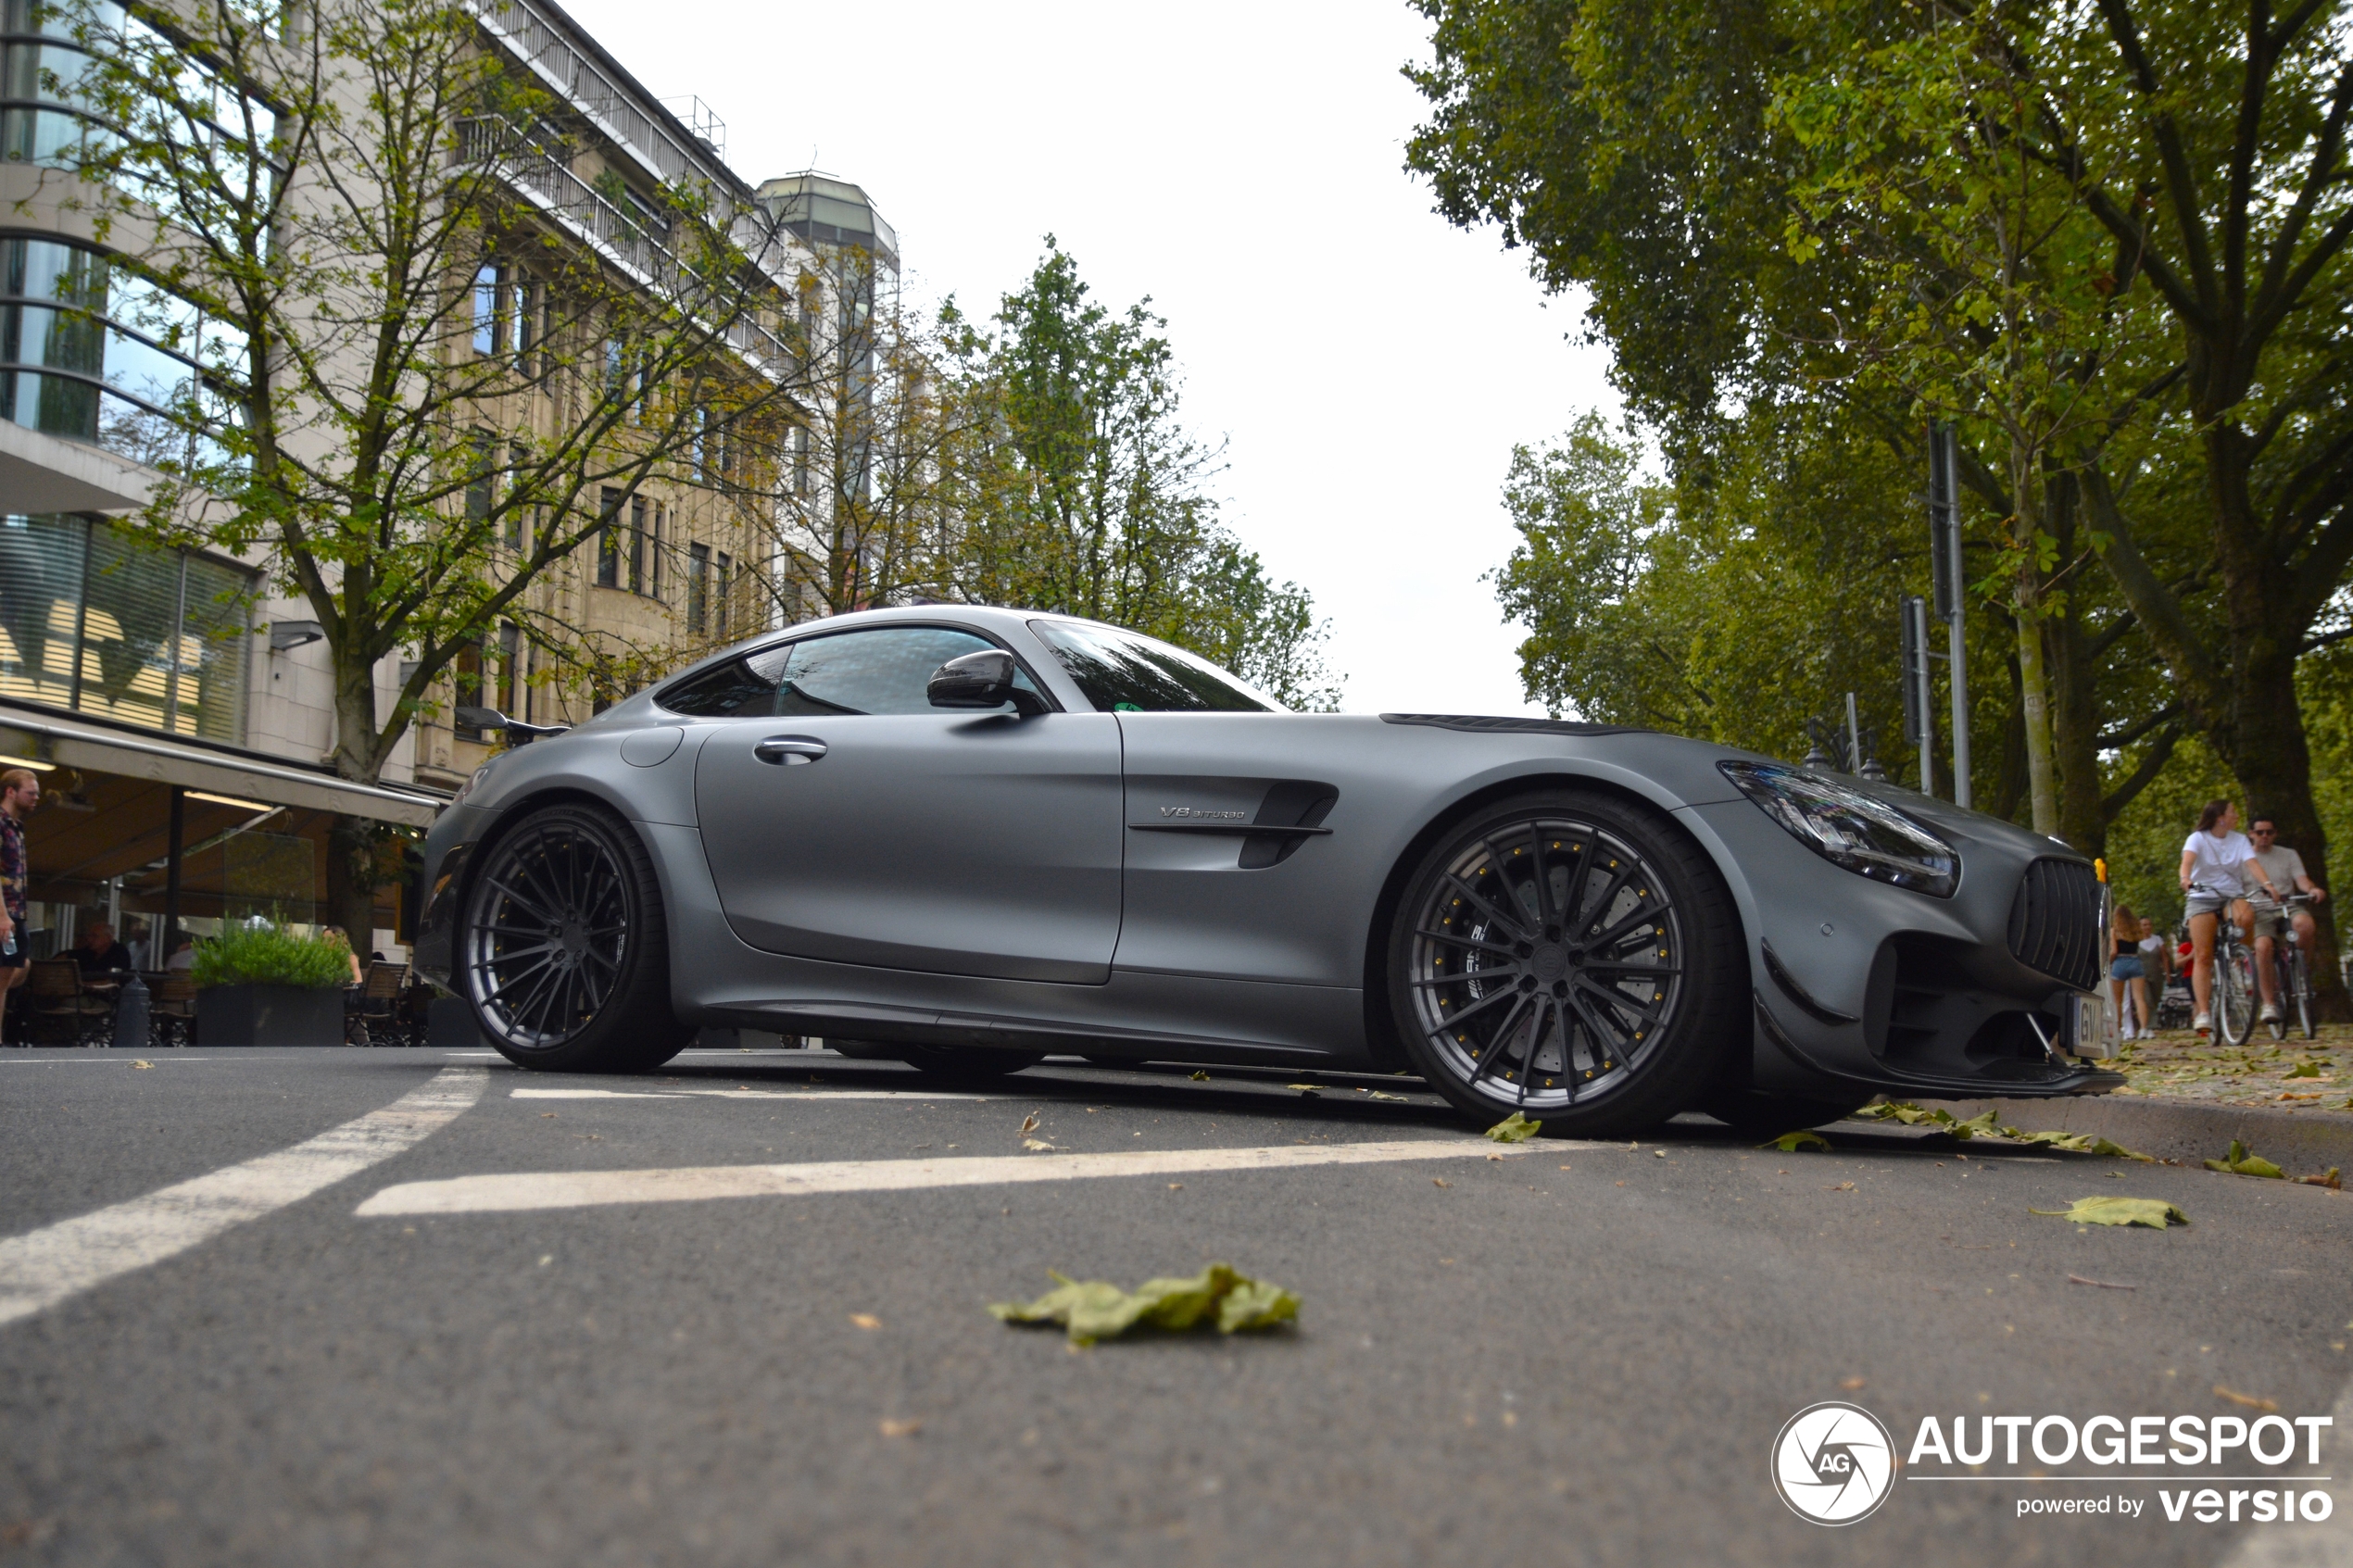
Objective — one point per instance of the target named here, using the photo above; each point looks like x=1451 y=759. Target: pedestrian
x=2157 y=960
x=2272 y=917
x=19 y=793
x=2127 y=974
x=2219 y=868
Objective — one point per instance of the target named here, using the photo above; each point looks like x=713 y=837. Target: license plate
x=2093 y=1027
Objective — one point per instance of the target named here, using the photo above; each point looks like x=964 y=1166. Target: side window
x=883 y=671
x=741 y=688
x=1121 y=672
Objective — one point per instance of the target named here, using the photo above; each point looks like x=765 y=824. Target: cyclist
x=2218 y=865
x=2285 y=868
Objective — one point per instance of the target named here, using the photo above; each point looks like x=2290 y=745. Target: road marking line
x=742 y=1094
x=583 y=1189
x=41 y=1268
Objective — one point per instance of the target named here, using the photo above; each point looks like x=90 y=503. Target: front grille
x=2055 y=921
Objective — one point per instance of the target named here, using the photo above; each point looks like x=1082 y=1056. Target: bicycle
x=2233 y=993
x=2295 y=972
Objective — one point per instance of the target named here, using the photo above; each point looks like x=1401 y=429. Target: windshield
x=1122 y=673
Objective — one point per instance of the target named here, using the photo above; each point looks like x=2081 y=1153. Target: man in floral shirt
x=19 y=793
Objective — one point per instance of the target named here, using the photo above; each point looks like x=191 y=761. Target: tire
x=1501 y=1009
x=2301 y=976
x=2235 y=997
x=562 y=950
x=1775 y=1114
x=968 y=1063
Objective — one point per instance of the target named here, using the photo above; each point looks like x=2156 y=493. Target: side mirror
x=980 y=680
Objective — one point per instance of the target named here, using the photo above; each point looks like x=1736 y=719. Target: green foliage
x=1095 y=1308
x=262 y=953
x=1079 y=491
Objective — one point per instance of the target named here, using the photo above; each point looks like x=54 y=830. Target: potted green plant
x=258 y=984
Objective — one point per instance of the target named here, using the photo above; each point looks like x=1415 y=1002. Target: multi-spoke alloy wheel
x=1565 y=957
x=561 y=951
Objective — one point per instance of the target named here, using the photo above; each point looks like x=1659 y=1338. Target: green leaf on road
x=1095 y=1308
x=1790 y=1143
x=1984 y=1126
x=2305 y=1069
x=2239 y=1162
x=1514 y=1128
x=2117 y=1210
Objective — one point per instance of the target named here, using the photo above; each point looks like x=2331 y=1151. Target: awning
x=92 y=748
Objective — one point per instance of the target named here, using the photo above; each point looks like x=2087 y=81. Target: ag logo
x=1833 y=1463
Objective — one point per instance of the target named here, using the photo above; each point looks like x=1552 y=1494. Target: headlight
x=1850 y=829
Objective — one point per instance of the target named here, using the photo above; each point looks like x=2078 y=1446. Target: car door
x=854 y=821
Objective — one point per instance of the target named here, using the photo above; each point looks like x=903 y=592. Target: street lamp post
x=1945 y=547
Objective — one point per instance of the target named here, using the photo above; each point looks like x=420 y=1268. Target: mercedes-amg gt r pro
x=967 y=837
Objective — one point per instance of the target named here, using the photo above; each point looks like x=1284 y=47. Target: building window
x=608 y=538
x=482 y=483
x=490 y=309
x=697 y=586
x=93 y=619
x=636 y=544
x=465 y=677
x=660 y=513
x=91 y=354
x=518 y=454
x=511 y=685
x=800 y=459
x=526 y=323
x=719 y=585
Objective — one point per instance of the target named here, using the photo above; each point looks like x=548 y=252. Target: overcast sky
x=1368 y=365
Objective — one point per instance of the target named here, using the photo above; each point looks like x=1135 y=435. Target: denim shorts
x=2126 y=968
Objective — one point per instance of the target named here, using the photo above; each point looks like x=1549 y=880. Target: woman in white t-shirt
x=2219 y=868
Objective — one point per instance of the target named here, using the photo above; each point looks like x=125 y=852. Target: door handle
x=789 y=751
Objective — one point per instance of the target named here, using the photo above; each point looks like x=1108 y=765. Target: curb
x=2302 y=1143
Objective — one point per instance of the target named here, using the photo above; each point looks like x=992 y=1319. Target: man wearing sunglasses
x=2285 y=868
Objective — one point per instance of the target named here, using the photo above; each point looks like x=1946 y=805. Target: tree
x=1635 y=149
x=1074 y=488
x=422 y=384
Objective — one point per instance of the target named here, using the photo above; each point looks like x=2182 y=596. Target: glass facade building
x=93 y=620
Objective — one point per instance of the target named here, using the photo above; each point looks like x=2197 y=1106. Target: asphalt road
x=1573 y=1353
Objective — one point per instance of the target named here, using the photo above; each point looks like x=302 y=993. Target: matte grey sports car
x=967 y=837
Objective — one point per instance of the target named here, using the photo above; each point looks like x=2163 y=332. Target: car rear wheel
x=562 y=950
x=1570 y=956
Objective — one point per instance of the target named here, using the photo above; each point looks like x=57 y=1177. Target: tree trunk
x=351 y=840
x=2033 y=705
x=2262 y=739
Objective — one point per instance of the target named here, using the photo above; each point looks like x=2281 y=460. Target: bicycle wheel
x=2300 y=987
x=2233 y=993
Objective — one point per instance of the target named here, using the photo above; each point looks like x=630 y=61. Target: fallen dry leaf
x=143 y=1064
x=1036 y=1143
x=2237 y=1162
x=1175 y=1187
x=1095 y=1308
x=1439 y=1182
x=907 y=1428
x=1200 y=1077
x=865 y=1320
x=2103 y=1284
x=1842 y=1186
x=1028 y=1125
x=2117 y=1210
x=1515 y=1128
x=2249 y=1400
x=2333 y=1180
x=1851 y=1384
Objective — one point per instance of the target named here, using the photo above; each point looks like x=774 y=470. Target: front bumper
x=1859 y=987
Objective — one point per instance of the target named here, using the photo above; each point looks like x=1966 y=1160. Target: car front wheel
x=1573 y=957
x=562 y=950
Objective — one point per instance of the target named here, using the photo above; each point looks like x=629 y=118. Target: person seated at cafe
x=183 y=957
x=100 y=955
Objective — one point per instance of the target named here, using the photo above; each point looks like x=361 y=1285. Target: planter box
x=269 y=1015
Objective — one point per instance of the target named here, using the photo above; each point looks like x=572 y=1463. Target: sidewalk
x=2186 y=1098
